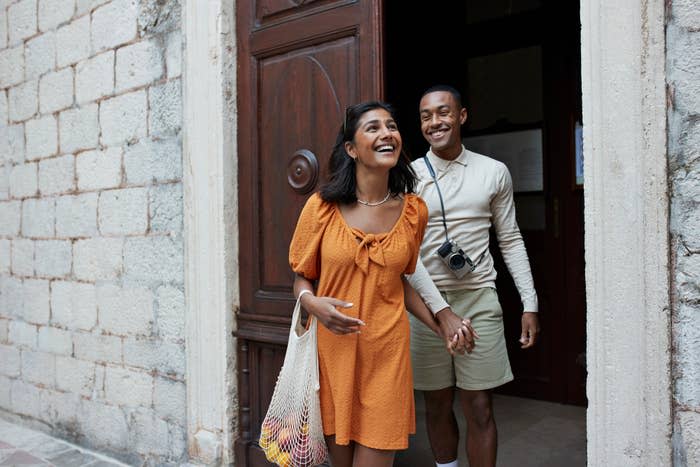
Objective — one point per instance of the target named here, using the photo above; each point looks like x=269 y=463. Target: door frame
x=626 y=224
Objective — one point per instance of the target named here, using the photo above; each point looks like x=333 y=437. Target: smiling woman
x=353 y=243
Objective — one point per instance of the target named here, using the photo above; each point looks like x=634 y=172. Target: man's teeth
x=385 y=148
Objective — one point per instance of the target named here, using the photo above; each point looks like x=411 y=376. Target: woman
x=354 y=241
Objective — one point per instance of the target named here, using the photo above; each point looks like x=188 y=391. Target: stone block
x=114 y=24
x=24 y=180
x=53 y=13
x=170 y=400
x=166 y=358
x=166 y=208
x=97 y=348
x=60 y=409
x=10 y=362
x=4 y=118
x=23 y=101
x=55 y=341
x=73 y=305
x=173 y=54
x=158 y=16
x=123 y=212
x=170 y=317
x=128 y=388
x=57 y=175
x=76 y=376
x=98 y=258
x=25 y=398
x=165 y=109
x=95 y=417
x=11 y=297
x=125 y=311
x=99 y=169
x=153 y=161
x=22 y=335
x=11 y=215
x=687 y=439
x=22 y=20
x=22 y=257
x=39 y=55
x=687 y=354
x=3 y=28
x=39 y=368
x=42 y=137
x=149 y=434
x=154 y=259
x=73 y=42
x=94 y=78
x=5 y=255
x=38 y=217
x=123 y=118
x=36 y=301
x=78 y=128
x=56 y=91
x=12 y=144
x=687 y=276
x=84 y=6
x=53 y=258
x=5 y=384
x=138 y=64
x=4 y=330
x=11 y=66
x=76 y=216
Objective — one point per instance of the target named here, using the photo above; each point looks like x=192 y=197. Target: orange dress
x=366 y=378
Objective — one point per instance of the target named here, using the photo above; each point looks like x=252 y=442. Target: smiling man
x=466 y=193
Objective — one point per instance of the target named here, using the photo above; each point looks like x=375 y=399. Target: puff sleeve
x=305 y=247
x=416 y=219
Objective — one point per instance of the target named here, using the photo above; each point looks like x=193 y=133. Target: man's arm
x=450 y=324
x=510 y=242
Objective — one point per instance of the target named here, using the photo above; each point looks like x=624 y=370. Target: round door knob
x=302 y=171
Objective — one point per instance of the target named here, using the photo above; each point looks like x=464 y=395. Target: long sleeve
x=511 y=242
x=422 y=283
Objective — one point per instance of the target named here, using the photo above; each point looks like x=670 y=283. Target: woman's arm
x=324 y=308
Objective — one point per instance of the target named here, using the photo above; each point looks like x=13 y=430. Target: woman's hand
x=458 y=332
x=325 y=309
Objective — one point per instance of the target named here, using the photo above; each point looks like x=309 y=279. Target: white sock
x=449 y=464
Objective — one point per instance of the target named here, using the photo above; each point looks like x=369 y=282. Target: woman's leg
x=368 y=457
x=341 y=455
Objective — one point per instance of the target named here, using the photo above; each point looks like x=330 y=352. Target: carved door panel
x=300 y=64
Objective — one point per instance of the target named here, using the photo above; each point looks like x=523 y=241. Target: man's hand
x=530 y=329
x=459 y=334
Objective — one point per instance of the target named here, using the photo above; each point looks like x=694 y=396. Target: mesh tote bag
x=292 y=434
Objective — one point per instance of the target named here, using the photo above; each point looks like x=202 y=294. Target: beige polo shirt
x=477 y=192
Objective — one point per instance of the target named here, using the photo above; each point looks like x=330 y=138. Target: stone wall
x=683 y=78
x=91 y=248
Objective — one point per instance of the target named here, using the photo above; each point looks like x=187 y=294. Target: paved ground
x=23 y=447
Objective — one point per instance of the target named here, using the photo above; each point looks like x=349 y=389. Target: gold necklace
x=367 y=203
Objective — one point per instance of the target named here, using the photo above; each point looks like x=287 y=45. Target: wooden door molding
x=299 y=65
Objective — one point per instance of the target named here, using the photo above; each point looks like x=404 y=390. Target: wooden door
x=301 y=63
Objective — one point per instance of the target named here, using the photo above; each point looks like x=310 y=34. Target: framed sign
x=520 y=151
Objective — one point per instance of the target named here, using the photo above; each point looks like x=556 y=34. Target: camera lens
x=457 y=262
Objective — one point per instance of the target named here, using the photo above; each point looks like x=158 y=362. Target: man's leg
x=443 y=432
x=482 y=437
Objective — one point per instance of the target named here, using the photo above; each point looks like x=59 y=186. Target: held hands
x=459 y=334
x=325 y=309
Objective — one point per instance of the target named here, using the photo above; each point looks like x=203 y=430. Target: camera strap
x=471 y=263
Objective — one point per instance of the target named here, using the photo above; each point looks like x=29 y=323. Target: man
x=466 y=194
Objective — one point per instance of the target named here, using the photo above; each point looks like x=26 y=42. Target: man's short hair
x=446 y=88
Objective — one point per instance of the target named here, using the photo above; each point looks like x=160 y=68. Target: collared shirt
x=477 y=192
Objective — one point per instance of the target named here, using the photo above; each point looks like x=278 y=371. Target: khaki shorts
x=485 y=368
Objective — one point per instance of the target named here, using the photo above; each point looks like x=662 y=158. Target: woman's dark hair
x=341 y=184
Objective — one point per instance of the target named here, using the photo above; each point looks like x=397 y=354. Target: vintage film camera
x=455 y=258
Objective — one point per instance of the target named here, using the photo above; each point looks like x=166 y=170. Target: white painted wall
x=92 y=306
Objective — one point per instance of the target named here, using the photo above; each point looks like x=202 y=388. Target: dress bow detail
x=368 y=250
